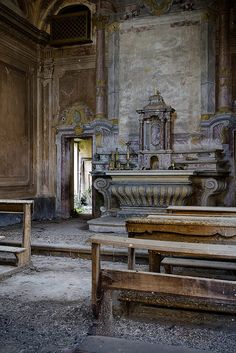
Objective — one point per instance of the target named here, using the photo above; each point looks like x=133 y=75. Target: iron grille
x=70 y=29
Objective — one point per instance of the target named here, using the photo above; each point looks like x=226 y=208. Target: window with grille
x=72 y=25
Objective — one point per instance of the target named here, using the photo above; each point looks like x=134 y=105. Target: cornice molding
x=9 y=18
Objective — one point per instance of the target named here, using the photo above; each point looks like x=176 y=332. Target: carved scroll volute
x=102 y=185
x=212 y=187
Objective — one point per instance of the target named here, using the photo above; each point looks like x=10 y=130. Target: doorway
x=82 y=179
x=74 y=163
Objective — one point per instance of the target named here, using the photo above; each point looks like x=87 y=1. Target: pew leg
x=131 y=258
x=96 y=285
x=154 y=261
x=168 y=269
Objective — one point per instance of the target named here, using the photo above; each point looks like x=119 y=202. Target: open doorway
x=82 y=177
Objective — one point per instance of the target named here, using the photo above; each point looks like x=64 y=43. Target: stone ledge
x=102 y=344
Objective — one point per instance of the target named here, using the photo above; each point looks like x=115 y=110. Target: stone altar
x=142 y=192
x=147 y=175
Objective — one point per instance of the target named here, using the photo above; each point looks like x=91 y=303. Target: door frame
x=65 y=174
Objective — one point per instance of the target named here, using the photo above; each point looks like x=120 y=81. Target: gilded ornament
x=114 y=121
x=205 y=117
x=113 y=27
x=77 y=115
x=78 y=130
x=158 y=7
x=101 y=82
x=100 y=116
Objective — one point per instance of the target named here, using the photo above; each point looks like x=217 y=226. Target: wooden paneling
x=15 y=138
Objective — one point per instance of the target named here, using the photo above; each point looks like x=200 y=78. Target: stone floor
x=46 y=307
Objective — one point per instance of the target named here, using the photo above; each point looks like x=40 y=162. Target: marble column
x=101 y=84
x=224 y=81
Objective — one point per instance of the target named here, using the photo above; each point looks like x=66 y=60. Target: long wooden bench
x=185 y=228
x=131 y=279
x=23 y=253
x=209 y=211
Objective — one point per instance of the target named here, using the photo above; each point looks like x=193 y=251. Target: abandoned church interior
x=129 y=87
x=118 y=124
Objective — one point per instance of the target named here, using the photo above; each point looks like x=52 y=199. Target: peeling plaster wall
x=164 y=53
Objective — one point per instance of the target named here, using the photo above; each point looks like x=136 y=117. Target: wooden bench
x=23 y=253
x=18 y=252
x=183 y=228
x=111 y=279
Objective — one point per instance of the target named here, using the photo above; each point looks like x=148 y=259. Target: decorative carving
x=148 y=195
x=77 y=115
x=113 y=27
x=47 y=71
x=212 y=187
x=101 y=88
x=134 y=194
x=102 y=185
x=158 y=7
x=155 y=131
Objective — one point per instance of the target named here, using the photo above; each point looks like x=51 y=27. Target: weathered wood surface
x=170 y=284
x=169 y=247
x=191 y=225
x=20 y=254
x=202 y=210
x=11 y=249
x=25 y=207
x=196 y=226
x=169 y=262
x=14 y=206
x=155 y=282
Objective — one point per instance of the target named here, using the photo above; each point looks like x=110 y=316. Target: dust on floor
x=46 y=308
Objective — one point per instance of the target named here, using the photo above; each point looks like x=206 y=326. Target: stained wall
x=17 y=118
x=165 y=53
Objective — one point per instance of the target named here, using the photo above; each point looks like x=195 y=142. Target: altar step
x=104 y=344
x=107 y=224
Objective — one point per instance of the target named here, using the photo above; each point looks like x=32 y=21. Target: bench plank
x=200 y=226
x=168 y=284
x=202 y=210
x=179 y=261
x=12 y=249
x=216 y=251
x=14 y=206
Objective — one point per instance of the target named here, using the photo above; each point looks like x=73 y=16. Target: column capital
x=101 y=21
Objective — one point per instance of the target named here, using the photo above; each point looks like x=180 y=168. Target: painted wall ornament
x=158 y=7
x=76 y=115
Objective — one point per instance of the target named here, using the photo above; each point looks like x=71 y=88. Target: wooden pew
x=213 y=229
x=110 y=279
x=23 y=253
